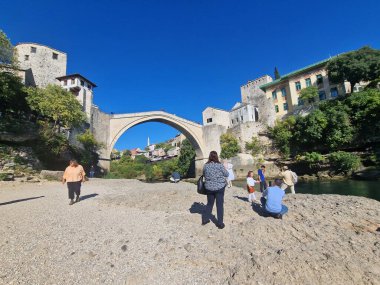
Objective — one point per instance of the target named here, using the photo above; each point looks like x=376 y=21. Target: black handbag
x=201 y=189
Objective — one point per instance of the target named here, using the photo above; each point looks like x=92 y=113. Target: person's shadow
x=88 y=196
x=256 y=207
x=200 y=208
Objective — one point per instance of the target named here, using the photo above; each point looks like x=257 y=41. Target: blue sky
x=182 y=55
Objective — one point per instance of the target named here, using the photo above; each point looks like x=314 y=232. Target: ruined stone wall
x=100 y=127
x=42 y=64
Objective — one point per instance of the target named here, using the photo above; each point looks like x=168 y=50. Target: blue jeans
x=283 y=211
x=211 y=197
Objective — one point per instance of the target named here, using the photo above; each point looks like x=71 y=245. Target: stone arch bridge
x=108 y=128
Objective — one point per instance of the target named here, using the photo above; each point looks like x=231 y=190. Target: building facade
x=42 y=64
x=252 y=90
x=285 y=91
x=81 y=87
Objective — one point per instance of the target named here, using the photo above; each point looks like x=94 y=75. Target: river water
x=369 y=189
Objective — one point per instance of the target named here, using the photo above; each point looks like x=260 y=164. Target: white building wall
x=217 y=117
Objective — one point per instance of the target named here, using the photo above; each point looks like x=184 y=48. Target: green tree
x=57 y=105
x=365 y=114
x=254 y=146
x=89 y=155
x=313 y=160
x=12 y=94
x=276 y=73
x=186 y=157
x=355 y=66
x=282 y=134
x=229 y=145
x=7 y=51
x=309 y=94
x=309 y=130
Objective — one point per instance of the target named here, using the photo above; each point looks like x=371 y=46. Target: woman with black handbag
x=215 y=182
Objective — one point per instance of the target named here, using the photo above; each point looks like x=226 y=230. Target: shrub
x=230 y=146
x=312 y=160
x=344 y=162
x=254 y=146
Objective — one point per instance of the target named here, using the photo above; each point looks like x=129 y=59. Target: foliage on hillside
x=338 y=125
x=229 y=145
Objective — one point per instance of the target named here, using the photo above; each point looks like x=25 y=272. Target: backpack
x=201 y=189
x=295 y=177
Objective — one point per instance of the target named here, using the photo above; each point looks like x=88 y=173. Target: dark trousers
x=74 y=187
x=263 y=186
x=211 y=197
x=284 y=209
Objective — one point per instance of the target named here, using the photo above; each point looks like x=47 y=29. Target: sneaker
x=221 y=226
x=278 y=216
x=205 y=223
x=77 y=199
x=71 y=202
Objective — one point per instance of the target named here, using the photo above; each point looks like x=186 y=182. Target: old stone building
x=41 y=64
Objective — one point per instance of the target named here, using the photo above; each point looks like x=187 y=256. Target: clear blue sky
x=185 y=55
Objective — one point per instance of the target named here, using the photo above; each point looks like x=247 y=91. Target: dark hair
x=249 y=173
x=278 y=181
x=262 y=166
x=74 y=161
x=213 y=157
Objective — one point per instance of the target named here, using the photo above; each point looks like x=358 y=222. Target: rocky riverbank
x=129 y=232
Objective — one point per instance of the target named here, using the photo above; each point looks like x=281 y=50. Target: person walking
x=92 y=171
x=250 y=187
x=74 y=175
x=288 y=179
x=231 y=176
x=262 y=180
x=215 y=176
x=271 y=200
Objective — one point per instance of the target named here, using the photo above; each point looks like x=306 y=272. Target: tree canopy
x=230 y=146
x=355 y=66
x=57 y=105
x=12 y=94
x=276 y=73
x=7 y=53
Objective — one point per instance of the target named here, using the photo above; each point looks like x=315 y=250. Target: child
x=250 y=187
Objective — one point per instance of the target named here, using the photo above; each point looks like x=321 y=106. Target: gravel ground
x=129 y=232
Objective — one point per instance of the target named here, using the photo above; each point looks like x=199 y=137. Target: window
x=65 y=82
x=276 y=108
x=274 y=95
x=308 y=82
x=319 y=79
x=285 y=106
x=334 y=92
x=55 y=55
x=300 y=102
x=26 y=57
x=209 y=120
x=241 y=118
x=33 y=49
x=232 y=121
x=283 y=92
x=322 y=95
x=72 y=81
x=82 y=83
x=89 y=86
x=298 y=85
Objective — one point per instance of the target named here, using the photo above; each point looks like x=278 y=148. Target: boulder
x=51 y=175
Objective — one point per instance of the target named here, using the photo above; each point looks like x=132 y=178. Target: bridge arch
x=120 y=123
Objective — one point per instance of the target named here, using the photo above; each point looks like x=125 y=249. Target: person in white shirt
x=250 y=187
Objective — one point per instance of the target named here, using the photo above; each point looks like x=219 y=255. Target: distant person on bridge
x=215 y=183
x=74 y=175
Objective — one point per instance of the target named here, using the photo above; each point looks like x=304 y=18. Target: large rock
x=51 y=175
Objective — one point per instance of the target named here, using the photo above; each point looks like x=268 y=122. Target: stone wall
x=40 y=67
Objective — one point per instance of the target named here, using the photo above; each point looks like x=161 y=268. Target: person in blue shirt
x=271 y=200
x=263 y=183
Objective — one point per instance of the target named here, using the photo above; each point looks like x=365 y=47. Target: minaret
x=148 y=142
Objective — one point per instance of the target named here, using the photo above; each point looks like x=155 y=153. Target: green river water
x=369 y=189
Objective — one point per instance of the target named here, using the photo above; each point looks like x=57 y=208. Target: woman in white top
x=231 y=176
